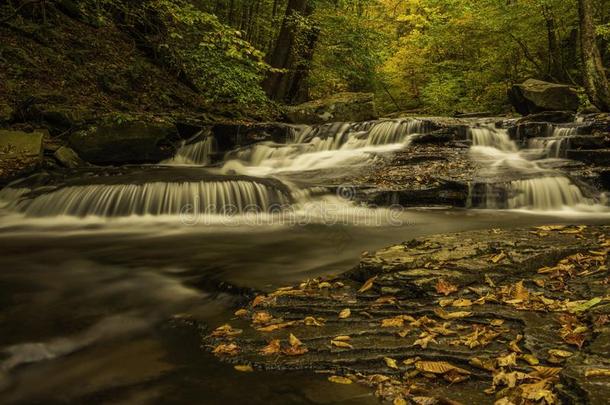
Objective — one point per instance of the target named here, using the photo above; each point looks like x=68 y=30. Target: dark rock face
x=231 y=136
x=347 y=107
x=126 y=143
x=557 y=117
x=508 y=308
x=535 y=96
x=68 y=158
x=20 y=154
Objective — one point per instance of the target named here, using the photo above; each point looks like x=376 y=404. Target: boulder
x=535 y=96
x=133 y=142
x=69 y=158
x=346 y=107
x=20 y=153
x=557 y=117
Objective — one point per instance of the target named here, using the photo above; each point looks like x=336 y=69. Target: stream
x=106 y=280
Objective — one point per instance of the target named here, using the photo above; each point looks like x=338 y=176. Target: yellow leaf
x=396 y=322
x=508 y=360
x=261 y=317
x=341 y=344
x=241 y=312
x=311 y=321
x=438 y=367
x=345 y=313
x=497 y=258
x=560 y=353
x=229 y=349
x=520 y=292
x=597 y=372
x=546 y=372
x=497 y=322
x=339 y=380
x=272 y=348
x=530 y=359
x=294 y=341
x=390 y=362
x=275 y=326
x=368 y=284
x=244 y=368
x=451 y=315
x=462 y=302
x=399 y=401
x=226 y=331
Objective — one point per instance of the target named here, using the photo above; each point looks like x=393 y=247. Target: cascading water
x=197 y=153
x=540 y=189
x=155 y=198
x=326 y=146
x=556 y=143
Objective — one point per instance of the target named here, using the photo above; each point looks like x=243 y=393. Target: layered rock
x=534 y=96
x=347 y=107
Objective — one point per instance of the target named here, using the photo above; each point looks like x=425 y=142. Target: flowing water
x=104 y=279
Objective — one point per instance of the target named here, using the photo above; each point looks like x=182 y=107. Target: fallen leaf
x=497 y=258
x=462 y=302
x=367 y=285
x=546 y=372
x=586 y=305
x=597 y=372
x=341 y=344
x=275 y=326
x=390 y=362
x=261 y=317
x=530 y=359
x=445 y=287
x=560 y=353
x=396 y=322
x=244 y=368
x=260 y=299
x=311 y=321
x=272 y=348
x=339 y=380
x=230 y=349
x=399 y=401
x=425 y=339
x=345 y=313
x=294 y=341
x=226 y=331
x=451 y=315
x=509 y=360
x=438 y=367
x=241 y=312
x=295 y=350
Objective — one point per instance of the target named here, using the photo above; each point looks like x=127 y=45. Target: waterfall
x=197 y=153
x=155 y=198
x=492 y=137
x=545 y=194
x=510 y=178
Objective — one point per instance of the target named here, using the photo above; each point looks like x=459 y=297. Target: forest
x=305 y=202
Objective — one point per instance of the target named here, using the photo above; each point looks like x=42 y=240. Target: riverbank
x=475 y=317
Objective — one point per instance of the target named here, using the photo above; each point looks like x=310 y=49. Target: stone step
x=598 y=157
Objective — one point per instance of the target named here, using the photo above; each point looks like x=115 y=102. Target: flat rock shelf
x=492 y=316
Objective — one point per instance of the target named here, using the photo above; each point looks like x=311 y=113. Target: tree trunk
x=287 y=55
x=594 y=75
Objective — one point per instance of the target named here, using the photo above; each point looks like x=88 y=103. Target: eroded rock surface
x=515 y=316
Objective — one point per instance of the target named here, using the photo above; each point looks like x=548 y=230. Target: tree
x=292 y=54
x=594 y=76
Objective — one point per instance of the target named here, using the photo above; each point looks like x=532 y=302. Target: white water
x=324 y=147
x=540 y=190
x=155 y=198
x=198 y=153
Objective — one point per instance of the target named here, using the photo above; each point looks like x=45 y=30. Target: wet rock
x=6 y=113
x=68 y=158
x=20 y=153
x=590 y=141
x=525 y=131
x=484 y=304
x=558 y=117
x=132 y=142
x=232 y=136
x=534 y=96
x=599 y=157
x=347 y=107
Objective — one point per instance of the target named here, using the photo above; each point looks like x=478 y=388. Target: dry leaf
x=341 y=344
x=531 y=359
x=445 y=287
x=508 y=360
x=244 y=368
x=295 y=350
x=597 y=372
x=367 y=285
x=396 y=322
x=462 y=302
x=390 y=362
x=275 y=326
x=345 y=313
x=497 y=258
x=260 y=299
x=226 y=331
x=241 y=312
x=339 y=380
x=230 y=349
x=438 y=367
x=294 y=341
x=441 y=313
x=560 y=353
x=261 y=317
x=399 y=401
x=546 y=372
x=272 y=348
x=425 y=339
x=311 y=321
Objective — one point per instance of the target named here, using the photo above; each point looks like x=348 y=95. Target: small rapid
x=517 y=179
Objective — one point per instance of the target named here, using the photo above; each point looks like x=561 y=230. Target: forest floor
x=515 y=316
